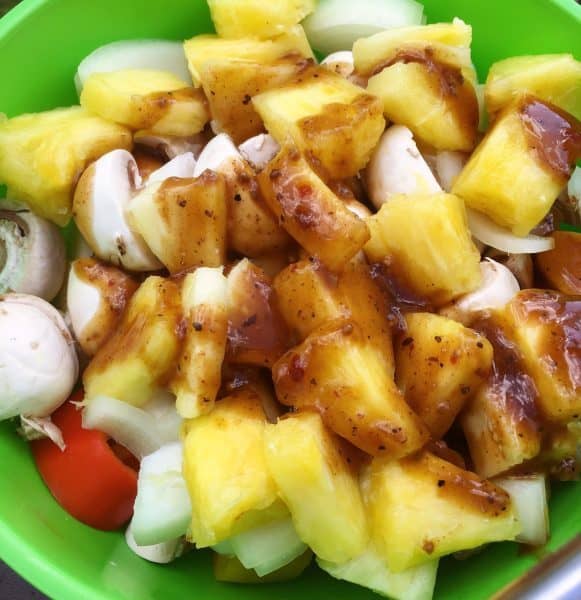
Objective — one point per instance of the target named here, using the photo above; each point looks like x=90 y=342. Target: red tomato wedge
x=92 y=479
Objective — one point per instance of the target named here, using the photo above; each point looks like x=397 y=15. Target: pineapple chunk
x=348 y=380
x=521 y=165
x=199 y=370
x=183 y=221
x=440 y=364
x=451 y=42
x=547 y=327
x=423 y=507
x=139 y=357
x=226 y=472
x=436 y=101
x=256 y=18
x=328 y=118
x=426 y=238
x=230 y=84
x=310 y=211
x=204 y=48
x=146 y=99
x=42 y=155
x=310 y=295
x=318 y=485
x=554 y=78
x=561 y=266
x=501 y=423
x=257 y=334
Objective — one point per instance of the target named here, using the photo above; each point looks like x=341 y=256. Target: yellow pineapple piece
x=139 y=357
x=43 y=154
x=426 y=238
x=327 y=117
x=205 y=48
x=341 y=374
x=312 y=214
x=554 y=78
x=501 y=423
x=226 y=471
x=450 y=42
x=318 y=485
x=514 y=176
x=440 y=364
x=423 y=507
x=547 y=329
x=146 y=99
x=239 y=18
x=199 y=370
x=183 y=221
x=230 y=84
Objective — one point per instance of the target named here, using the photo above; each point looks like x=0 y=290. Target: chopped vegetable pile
x=311 y=310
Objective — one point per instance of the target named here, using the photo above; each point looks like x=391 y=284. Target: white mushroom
x=100 y=210
x=341 y=62
x=32 y=255
x=38 y=428
x=218 y=154
x=96 y=297
x=448 y=167
x=259 y=150
x=498 y=287
x=171 y=146
x=38 y=362
x=397 y=167
x=180 y=166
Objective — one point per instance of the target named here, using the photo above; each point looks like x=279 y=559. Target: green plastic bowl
x=41 y=43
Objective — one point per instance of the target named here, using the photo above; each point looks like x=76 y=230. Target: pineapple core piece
x=208 y=48
x=199 y=370
x=42 y=155
x=426 y=238
x=547 y=328
x=310 y=467
x=341 y=374
x=226 y=472
x=256 y=18
x=521 y=165
x=554 y=78
x=501 y=423
x=183 y=221
x=440 y=364
x=310 y=211
x=140 y=356
x=331 y=120
x=146 y=99
x=425 y=80
x=423 y=507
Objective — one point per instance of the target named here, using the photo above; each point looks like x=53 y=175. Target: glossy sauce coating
x=561 y=267
x=554 y=135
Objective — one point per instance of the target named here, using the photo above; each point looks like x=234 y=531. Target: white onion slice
x=336 y=24
x=574 y=190
x=157 y=553
x=162 y=55
x=491 y=234
x=162 y=407
x=127 y=425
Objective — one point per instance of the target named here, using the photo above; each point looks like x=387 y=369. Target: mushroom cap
x=218 y=155
x=180 y=166
x=38 y=362
x=259 y=150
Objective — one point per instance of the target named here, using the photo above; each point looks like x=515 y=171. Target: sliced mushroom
x=448 y=166
x=170 y=146
x=498 y=287
x=398 y=167
x=100 y=209
x=182 y=165
x=520 y=265
x=259 y=150
x=32 y=255
x=38 y=362
x=219 y=154
x=341 y=62
x=38 y=428
x=97 y=295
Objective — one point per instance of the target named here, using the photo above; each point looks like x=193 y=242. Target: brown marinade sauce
x=554 y=135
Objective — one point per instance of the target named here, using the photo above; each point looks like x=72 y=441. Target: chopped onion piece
x=127 y=425
x=491 y=234
x=574 y=190
x=157 y=553
x=336 y=24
